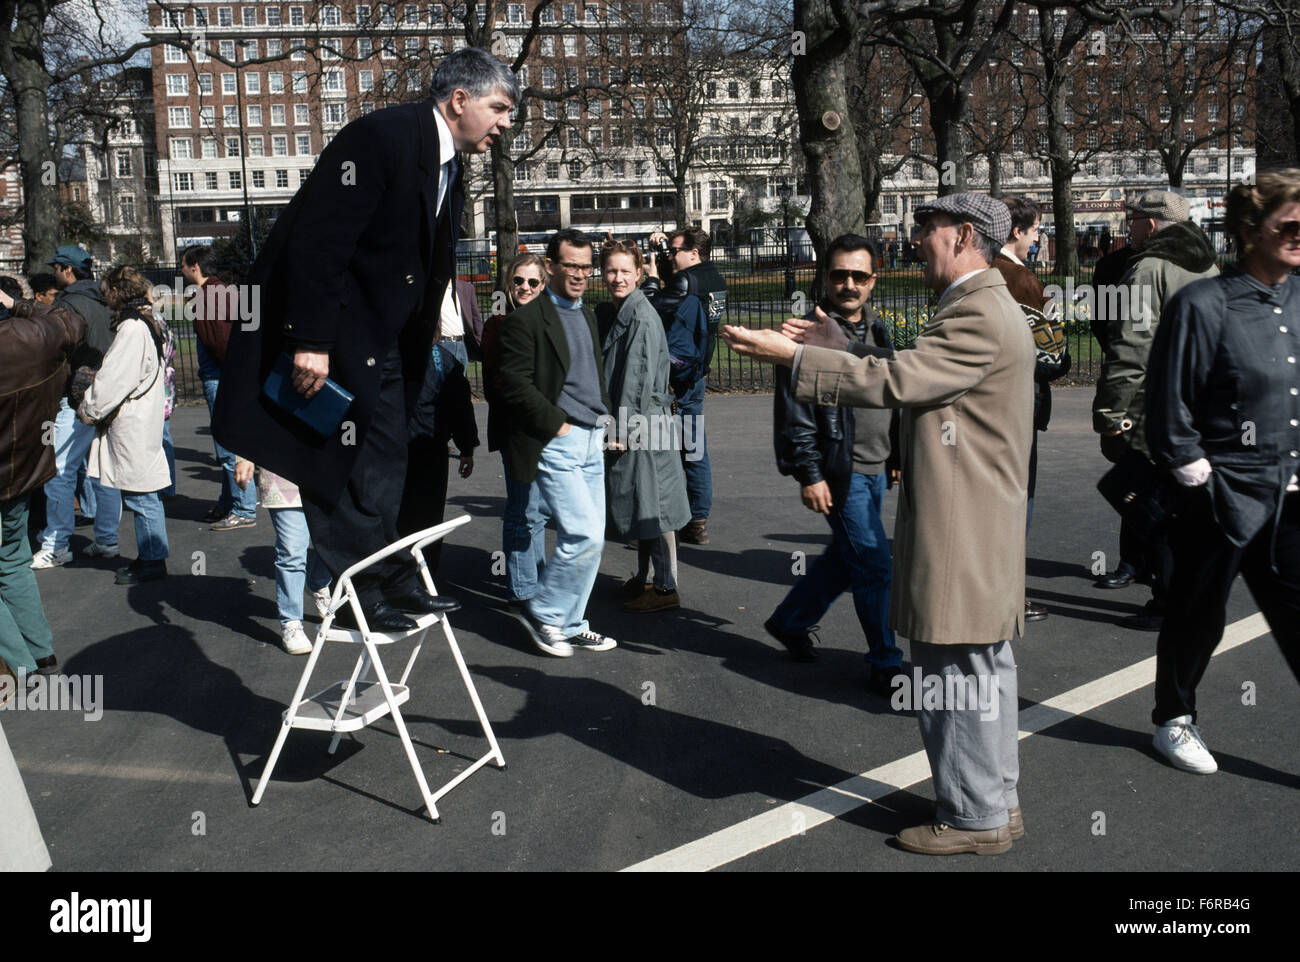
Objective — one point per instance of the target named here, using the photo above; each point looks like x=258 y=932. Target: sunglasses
x=1287 y=230
x=530 y=281
x=839 y=276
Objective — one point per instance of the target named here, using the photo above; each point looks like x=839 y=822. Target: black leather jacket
x=815 y=443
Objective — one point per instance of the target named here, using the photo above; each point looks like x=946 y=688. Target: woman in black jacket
x=1223 y=415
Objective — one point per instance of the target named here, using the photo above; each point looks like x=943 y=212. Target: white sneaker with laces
x=49 y=558
x=322 y=600
x=546 y=637
x=294 y=639
x=97 y=550
x=1180 y=741
x=591 y=641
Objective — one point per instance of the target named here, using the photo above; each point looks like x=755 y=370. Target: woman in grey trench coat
x=646 y=486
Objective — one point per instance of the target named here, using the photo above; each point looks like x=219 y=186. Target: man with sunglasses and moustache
x=1169 y=253
x=838 y=455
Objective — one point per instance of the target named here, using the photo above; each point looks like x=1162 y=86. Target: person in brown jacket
x=959 y=544
x=36 y=342
x=1053 y=354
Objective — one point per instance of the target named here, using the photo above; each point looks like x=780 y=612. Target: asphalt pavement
x=696 y=743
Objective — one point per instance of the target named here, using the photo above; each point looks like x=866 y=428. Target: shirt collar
x=446 y=146
x=961 y=280
x=1010 y=254
x=1276 y=295
x=564 y=301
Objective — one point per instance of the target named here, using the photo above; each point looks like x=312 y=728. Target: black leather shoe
x=138 y=572
x=1034 y=612
x=380 y=616
x=213 y=513
x=422 y=601
x=797 y=643
x=881 y=680
x=47 y=666
x=1121 y=577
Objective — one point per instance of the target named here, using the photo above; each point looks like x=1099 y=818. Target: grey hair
x=476 y=72
x=987 y=246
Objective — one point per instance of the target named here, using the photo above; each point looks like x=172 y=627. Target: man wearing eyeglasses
x=557 y=408
x=1170 y=253
x=691 y=302
x=838 y=455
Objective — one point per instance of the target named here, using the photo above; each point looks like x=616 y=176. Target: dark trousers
x=1149 y=556
x=1205 y=566
x=424 y=501
x=365 y=519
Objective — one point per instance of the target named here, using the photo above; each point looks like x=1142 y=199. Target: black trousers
x=424 y=502
x=1150 y=556
x=1205 y=565
x=365 y=519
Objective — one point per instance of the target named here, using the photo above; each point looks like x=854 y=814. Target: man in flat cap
x=966 y=390
x=1169 y=252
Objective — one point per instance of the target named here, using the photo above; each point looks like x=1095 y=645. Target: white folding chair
x=352 y=704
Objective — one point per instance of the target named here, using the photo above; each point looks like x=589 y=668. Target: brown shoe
x=1034 y=612
x=653 y=601
x=632 y=589
x=937 y=838
x=1016 y=825
x=695 y=533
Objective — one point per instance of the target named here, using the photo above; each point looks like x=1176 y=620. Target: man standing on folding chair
x=352 y=284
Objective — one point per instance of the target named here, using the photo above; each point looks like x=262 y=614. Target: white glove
x=1193 y=475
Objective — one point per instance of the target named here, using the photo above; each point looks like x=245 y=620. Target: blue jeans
x=71 y=445
x=857 y=560
x=25 y=635
x=150 y=524
x=571 y=485
x=695 y=453
x=523 y=535
x=295 y=564
x=458 y=350
x=242 y=502
x=169 y=449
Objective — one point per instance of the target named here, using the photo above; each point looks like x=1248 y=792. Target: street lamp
x=784 y=191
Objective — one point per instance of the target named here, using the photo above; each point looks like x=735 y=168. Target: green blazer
x=535 y=361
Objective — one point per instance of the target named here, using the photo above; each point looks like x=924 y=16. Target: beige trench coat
x=966 y=390
x=127 y=453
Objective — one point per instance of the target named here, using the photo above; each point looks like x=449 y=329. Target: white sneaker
x=295 y=640
x=591 y=641
x=1180 y=741
x=322 y=600
x=546 y=637
x=48 y=558
x=97 y=550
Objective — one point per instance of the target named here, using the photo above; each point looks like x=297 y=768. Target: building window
x=178 y=85
x=1018 y=168
x=232 y=146
x=889 y=204
x=209 y=148
x=521 y=171
x=259 y=178
x=205 y=84
x=236 y=180
x=225 y=17
x=173 y=54
x=552 y=170
x=230 y=116
x=570 y=46
x=918 y=170
x=365 y=81
x=250 y=49
x=226 y=48
x=280 y=146
x=228 y=85
x=717 y=195
x=300 y=118
x=207 y=117
x=575 y=170
x=303 y=144
x=256 y=147
x=252 y=83
x=1238 y=165
x=733 y=90
x=210 y=180
x=303 y=174
x=123 y=158
x=296 y=18
x=335 y=114
x=273 y=16
x=254 y=115
x=178 y=116
x=281 y=178
x=183 y=181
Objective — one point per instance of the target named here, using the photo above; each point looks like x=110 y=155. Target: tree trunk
x=1067 y=252
x=947 y=111
x=20 y=59
x=826 y=128
x=507 y=222
x=995 y=174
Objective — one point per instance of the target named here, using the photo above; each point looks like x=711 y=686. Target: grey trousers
x=22 y=849
x=971 y=739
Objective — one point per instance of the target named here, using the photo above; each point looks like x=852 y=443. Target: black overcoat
x=356 y=265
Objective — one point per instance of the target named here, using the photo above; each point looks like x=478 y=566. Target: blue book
x=322 y=413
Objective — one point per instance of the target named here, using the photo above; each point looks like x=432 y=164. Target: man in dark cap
x=78 y=292
x=966 y=390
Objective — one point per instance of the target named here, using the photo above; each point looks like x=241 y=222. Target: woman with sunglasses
x=644 y=479
x=523 y=526
x=1223 y=415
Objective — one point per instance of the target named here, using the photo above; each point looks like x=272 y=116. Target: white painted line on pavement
x=794 y=818
x=143 y=773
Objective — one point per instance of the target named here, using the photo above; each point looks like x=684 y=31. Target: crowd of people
x=1199 y=394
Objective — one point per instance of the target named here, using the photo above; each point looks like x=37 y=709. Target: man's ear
x=456 y=103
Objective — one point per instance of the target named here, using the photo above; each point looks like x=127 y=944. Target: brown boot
x=653 y=601
x=696 y=532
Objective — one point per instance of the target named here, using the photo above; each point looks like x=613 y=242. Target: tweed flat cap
x=1160 y=204
x=986 y=214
